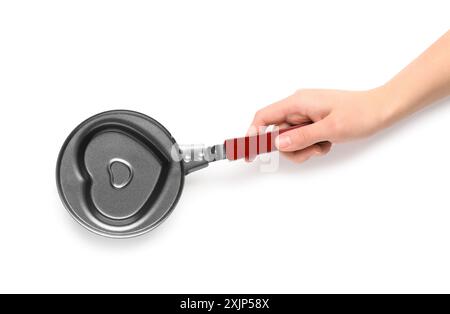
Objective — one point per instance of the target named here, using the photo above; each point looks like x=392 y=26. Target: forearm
x=424 y=81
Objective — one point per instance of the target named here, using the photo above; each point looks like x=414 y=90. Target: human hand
x=340 y=116
x=337 y=116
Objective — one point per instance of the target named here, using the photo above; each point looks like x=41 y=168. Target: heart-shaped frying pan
x=120 y=173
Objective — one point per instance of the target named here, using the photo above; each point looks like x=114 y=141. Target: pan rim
x=104 y=233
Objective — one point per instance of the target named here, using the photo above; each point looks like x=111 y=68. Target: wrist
x=389 y=104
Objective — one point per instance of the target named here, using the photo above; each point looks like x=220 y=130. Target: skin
x=340 y=116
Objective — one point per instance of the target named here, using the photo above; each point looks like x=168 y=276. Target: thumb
x=302 y=137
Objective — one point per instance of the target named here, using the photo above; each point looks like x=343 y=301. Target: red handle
x=250 y=146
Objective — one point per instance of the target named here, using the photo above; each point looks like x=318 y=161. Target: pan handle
x=249 y=146
x=237 y=148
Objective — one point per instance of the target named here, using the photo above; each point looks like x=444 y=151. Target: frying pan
x=120 y=173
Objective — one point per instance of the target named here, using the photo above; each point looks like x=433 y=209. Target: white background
x=372 y=216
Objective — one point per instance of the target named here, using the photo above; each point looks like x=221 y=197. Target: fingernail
x=282 y=141
x=251 y=130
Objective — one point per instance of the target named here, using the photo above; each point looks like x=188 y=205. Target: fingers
x=303 y=137
x=303 y=155
x=297 y=118
x=304 y=105
x=274 y=114
x=253 y=131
